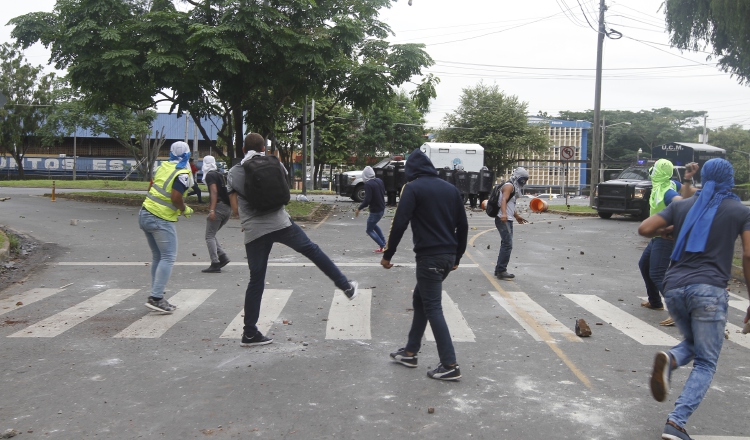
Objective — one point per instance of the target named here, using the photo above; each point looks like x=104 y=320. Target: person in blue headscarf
x=706 y=227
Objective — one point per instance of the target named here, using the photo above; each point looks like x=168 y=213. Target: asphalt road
x=83 y=358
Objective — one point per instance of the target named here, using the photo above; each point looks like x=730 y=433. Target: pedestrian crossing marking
x=29 y=297
x=69 y=318
x=459 y=328
x=633 y=327
x=736 y=336
x=273 y=303
x=739 y=305
x=156 y=324
x=536 y=312
x=349 y=319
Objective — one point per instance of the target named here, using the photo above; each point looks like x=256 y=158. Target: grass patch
x=13 y=242
x=573 y=208
x=77 y=184
x=2 y=239
x=301 y=209
x=737 y=262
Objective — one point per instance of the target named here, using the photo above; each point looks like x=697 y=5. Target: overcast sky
x=544 y=52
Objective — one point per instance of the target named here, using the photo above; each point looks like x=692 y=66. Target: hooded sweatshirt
x=374 y=192
x=435 y=210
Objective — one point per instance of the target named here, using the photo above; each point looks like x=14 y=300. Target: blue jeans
x=258 y=251
x=506 y=245
x=700 y=312
x=162 y=239
x=373 y=230
x=653 y=264
x=428 y=307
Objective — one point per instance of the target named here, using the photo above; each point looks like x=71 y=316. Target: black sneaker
x=404 y=359
x=213 y=268
x=223 y=261
x=160 y=305
x=443 y=373
x=352 y=291
x=258 y=339
x=660 y=376
x=674 y=432
x=505 y=275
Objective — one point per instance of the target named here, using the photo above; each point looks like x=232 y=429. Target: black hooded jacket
x=435 y=209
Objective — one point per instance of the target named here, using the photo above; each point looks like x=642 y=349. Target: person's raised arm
x=688 y=189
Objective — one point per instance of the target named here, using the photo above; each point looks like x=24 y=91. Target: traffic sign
x=567 y=153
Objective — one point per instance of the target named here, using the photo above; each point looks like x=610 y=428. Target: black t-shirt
x=713 y=266
x=215 y=178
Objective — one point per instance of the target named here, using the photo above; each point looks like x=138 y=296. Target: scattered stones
x=581 y=252
x=74 y=222
x=10 y=433
x=582 y=329
x=430 y=410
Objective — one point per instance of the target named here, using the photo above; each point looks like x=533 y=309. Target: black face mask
x=522 y=181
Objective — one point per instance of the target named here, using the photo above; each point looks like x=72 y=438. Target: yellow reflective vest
x=159 y=198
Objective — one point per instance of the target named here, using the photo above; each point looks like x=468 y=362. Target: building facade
x=555 y=171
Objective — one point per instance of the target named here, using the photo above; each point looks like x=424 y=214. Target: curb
x=578 y=214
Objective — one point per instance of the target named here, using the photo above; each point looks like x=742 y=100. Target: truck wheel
x=605 y=215
x=359 y=193
x=645 y=213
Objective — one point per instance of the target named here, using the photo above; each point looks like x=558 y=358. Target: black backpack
x=493 y=202
x=266 y=187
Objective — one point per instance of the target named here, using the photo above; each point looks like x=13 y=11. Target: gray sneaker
x=353 y=290
x=160 y=305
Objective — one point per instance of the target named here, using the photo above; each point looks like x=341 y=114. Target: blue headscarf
x=179 y=153
x=718 y=180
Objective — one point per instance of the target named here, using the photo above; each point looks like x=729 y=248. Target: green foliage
x=29 y=93
x=647 y=129
x=721 y=26
x=227 y=58
x=496 y=121
x=736 y=141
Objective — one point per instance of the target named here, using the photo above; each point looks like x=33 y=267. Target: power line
x=563 y=68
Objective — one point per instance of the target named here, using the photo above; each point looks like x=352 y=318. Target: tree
x=647 y=129
x=243 y=61
x=721 y=26
x=496 y=121
x=736 y=141
x=29 y=95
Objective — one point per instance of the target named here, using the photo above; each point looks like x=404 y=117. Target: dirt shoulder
x=20 y=263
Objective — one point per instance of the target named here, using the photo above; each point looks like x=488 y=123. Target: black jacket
x=435 y=209
x=374 y=196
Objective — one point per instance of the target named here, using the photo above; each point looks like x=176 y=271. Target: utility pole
x=705 y=136
x=304 y=149
x=596 y=152
x=312 y=144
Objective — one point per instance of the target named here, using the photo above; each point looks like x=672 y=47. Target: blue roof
x=173 y=126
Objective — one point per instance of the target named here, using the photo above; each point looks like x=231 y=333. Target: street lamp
x=638 y=157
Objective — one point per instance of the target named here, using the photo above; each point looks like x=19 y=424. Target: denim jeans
x=162 y=239
x=258 y=251
x=653 y=264
x=428 y=307
x=373 y=230
x=221 y=214
x=506 y=245
x=700 y=312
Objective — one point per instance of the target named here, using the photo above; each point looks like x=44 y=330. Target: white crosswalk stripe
x=156 y=324
x=273 y=303
x=536 y=316
x=349 y=319
x=69 y=318
x=459 y=328
x=633 y=327
x=24 y=299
